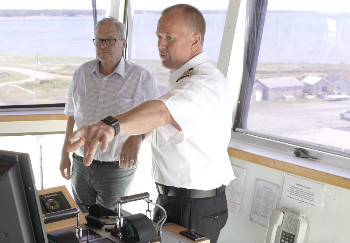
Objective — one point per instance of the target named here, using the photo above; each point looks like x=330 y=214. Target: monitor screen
x=20 y=211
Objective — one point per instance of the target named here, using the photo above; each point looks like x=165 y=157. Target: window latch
x=303 y=153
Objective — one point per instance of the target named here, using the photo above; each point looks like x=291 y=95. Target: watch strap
x=113 y=122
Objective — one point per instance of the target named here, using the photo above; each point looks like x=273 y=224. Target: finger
x=89 y=151
x=68 y=173
x=64 y=174
x=75 y=145
x=124 y=164
x=135 y=163
x=80 y=133
x=131 y=163
x=135 y=158
x=122 y=160
x=104 y=144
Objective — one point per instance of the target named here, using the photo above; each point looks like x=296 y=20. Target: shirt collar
x=199 y=59
x=120 y=69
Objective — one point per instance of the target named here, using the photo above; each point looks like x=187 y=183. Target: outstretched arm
x=141 y=119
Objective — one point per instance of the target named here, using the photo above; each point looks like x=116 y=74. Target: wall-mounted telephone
x=286 y=227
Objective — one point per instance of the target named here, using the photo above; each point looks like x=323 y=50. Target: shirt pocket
x=122 y=105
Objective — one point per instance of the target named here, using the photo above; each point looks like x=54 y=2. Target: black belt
x=97 y=162
x=188 y=193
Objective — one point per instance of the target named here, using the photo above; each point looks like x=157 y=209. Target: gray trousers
x=206 y=216
x=102 y=184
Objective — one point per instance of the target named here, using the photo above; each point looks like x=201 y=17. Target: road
x=33 y=75
x=315 y=122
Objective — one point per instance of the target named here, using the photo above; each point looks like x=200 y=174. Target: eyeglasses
x=109 y=42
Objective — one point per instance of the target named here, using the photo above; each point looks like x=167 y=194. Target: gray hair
x=120 y=27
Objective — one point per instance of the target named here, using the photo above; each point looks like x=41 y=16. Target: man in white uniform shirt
x=107 y=85
x=191 y=127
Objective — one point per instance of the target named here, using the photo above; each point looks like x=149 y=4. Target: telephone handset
x=286 y=227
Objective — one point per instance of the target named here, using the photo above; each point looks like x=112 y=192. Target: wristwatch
x=113 y=122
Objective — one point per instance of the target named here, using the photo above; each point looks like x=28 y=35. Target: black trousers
x=206 y=216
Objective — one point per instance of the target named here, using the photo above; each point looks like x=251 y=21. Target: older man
x=107 y=85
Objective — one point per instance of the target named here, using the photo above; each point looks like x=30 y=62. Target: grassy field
x=67 y=65
x=55 y=90
x=51 y=64
x=300 y=70
x=40 y=91
x=9 y=76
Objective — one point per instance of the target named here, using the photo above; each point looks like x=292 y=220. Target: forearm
x=139 y=120
x=144 y=118
x=65 y=164
x=69 y=131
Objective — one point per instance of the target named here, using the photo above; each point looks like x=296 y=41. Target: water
x=302 y=36
x=145 y=39
x=72 y=36
x=52 y=36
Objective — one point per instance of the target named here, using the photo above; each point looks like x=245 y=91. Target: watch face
x=110 y=120
x=113 y=122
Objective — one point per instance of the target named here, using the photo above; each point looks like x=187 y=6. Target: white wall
x=331 y=225
x=32 y=127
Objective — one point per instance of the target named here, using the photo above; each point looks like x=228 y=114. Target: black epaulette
x=185 y=74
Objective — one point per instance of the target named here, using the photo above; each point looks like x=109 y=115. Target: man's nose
x=161 y=43
x=104 y=44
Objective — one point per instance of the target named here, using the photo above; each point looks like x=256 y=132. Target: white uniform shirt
x=93 y=96
x=202 y=104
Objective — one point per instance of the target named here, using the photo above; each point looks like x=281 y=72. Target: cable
x=162 y=220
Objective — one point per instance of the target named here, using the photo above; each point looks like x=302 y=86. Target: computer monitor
x=20 y=210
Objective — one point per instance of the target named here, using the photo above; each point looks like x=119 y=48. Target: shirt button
x=216 y=217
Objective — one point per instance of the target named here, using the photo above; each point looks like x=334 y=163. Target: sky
x=47 y=4
x=305 y=5
x=311 y=5
x=86 y=4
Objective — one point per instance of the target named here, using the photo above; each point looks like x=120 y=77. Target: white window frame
x=232 y=59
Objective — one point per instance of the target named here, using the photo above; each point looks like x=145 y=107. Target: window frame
x=58 y=108
x=328 y=160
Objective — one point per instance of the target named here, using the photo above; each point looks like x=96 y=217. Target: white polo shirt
x=202 y=104
x=93 y=96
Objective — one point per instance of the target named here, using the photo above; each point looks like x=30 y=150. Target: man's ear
x=196 y=41
x=124 y=43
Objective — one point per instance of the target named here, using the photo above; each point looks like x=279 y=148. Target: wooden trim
x=67 y=224
x=290 y=168
x=176 y=229
x=37 y=117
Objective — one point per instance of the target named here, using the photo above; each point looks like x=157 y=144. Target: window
x=297 y=86
x=43 y=42
x=144 y=41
